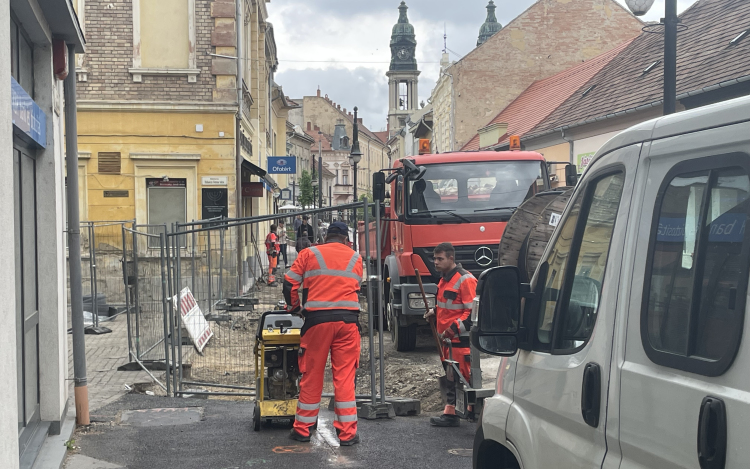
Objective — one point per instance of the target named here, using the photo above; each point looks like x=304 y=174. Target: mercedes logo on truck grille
x=484 y=256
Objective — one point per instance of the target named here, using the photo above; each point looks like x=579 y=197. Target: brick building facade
x=547 y=38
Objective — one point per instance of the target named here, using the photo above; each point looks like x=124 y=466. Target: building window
x=345 y=177
x=21 y=57
x=164 y=47
x=403 y=95
x=696 y=282
x=167 y=203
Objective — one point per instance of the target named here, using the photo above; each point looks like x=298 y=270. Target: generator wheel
x=256 y=418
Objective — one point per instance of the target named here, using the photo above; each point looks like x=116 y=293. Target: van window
x=575 y=267
x=697 y=278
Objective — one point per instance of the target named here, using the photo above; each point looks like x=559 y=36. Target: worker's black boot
x=445 y=420
x=351 y=442
x=297 y=437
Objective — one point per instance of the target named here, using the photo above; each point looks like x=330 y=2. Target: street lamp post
x=670 y=21
x=354 y=158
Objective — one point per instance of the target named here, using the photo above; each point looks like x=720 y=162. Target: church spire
x=490 y=26
x=403 y=42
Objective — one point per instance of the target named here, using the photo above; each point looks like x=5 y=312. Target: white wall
x=8 y=392
x=585 y=148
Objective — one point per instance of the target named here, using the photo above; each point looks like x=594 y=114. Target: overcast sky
x=343 y=45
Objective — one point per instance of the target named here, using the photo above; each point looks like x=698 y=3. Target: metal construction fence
x=220 y=266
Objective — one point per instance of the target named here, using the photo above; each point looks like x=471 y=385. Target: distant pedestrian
x=305 y=230
x=302 y=244
x=282 y=241
x=297 y=223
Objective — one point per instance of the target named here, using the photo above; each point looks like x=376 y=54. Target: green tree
x=306 y=192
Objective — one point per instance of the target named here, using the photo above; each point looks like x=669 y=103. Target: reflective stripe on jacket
x=456 y=291
x=329 y=276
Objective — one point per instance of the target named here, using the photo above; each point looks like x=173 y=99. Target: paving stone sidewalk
x=104 y=354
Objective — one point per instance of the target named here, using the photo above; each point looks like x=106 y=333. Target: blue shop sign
x=282 y=164
x=27 y=116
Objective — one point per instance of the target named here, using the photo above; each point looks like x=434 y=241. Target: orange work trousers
x=462 y=355
x=343 y=342
x=272 y=262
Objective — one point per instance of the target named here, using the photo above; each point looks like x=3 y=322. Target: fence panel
x=225 y=266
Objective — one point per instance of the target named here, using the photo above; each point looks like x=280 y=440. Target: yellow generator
x=277 y=372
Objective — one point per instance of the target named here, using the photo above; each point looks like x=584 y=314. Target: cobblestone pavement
x=104 y=354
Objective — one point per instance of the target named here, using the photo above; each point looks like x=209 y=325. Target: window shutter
x=109 y=162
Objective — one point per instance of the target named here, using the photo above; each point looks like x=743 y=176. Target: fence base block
x=405 y=407
x=369 y=411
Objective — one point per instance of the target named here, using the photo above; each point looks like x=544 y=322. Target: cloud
x=362 y=87
x=343 y=45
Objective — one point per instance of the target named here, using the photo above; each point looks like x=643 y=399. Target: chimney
x=359 y=121
x=309 y=125
x=344 y=110
x=317 y=129
x=318 y=92
x=339 y=107
x=350 y=114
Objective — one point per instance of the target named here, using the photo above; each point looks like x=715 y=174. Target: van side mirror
x=571 y=175
x=496 y=325
x=378 y=186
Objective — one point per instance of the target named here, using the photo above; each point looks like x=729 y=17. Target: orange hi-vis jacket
x=456 y=292
x=272 y=244
x=329 y=277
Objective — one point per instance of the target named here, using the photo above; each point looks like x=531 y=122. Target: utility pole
x=81 y=389
x=320 y=169
x=354 y=158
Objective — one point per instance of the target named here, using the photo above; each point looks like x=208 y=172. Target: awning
x=253 y=169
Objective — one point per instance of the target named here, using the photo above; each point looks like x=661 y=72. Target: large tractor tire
x=530 y=228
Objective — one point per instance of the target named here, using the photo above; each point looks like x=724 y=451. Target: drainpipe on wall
x=570 y=143
x=238 y=148
x=81 y=390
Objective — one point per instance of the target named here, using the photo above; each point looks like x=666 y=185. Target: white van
x=630 y=348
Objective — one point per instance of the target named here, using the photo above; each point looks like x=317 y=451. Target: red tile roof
x=325 y=140
x=705 y=58
x=544 y=96
x=383 y=136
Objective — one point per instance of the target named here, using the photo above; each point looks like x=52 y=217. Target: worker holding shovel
x=456 y=291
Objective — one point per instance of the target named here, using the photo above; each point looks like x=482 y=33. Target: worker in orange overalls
x=272 y=250
x=323 y=284
x=456 y=291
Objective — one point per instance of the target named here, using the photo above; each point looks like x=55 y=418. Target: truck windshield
x=487 y=188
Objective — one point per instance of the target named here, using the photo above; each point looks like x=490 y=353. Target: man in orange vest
x=272 y=250
x=456 y=291
x=323 y=284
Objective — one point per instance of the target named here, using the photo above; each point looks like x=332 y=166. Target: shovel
x=443 y=380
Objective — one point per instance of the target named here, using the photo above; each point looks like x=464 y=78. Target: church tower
x=402 y=75
x=490 y=26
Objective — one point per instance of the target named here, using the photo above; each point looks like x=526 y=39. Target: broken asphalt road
x=217 y=434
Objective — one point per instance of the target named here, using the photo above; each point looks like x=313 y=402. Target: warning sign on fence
x=193 y=319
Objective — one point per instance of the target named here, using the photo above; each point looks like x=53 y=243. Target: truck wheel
x=404 y=337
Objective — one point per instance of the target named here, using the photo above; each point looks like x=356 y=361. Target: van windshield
x=487 y=188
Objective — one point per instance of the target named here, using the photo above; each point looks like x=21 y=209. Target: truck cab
x=629 y=347
x=465 y=198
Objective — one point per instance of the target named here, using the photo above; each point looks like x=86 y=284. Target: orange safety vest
x=330 y=276
x=272 y=243
x=454 y=299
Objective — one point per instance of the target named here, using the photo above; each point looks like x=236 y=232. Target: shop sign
x=282 y=164
x=214 y=180
x=252 y=189
x=27 y=116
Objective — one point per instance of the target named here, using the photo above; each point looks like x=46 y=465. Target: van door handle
x=712 y=433
x=591 y=394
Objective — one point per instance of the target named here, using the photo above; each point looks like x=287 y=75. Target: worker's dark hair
x=445 y=248
x=273 y=227
x=335 y=238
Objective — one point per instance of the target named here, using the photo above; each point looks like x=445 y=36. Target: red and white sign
x=193 y=319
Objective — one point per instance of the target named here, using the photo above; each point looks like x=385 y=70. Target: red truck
x=465 y=198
